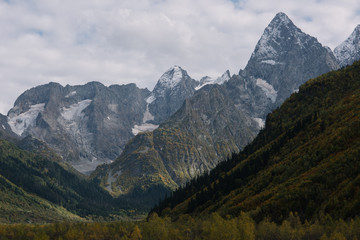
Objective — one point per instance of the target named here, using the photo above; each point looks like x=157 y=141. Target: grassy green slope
x=306 y=160
x=16 y=205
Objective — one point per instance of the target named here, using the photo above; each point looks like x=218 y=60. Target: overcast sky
x=122 y=41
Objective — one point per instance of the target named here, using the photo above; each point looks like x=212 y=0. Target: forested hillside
x=36 y=188
x=305 y=160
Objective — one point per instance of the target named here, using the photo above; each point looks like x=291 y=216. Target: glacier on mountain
x=19 y=123
x=74 y=112
x=72 y=119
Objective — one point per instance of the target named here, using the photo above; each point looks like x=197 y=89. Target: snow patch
x=145 y=126
x=267 y=88
x=3 y=127
x=270 y=62
x=150 y=99
x=75 y=110
x=147 y=115
x=260 y=122
x=205 y=81
x=71 y=94
x=19 y=123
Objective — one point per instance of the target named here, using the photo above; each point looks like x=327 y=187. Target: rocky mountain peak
x=223 y=78
x=349 y=50
x=173 y=87
x=282 y=59
x=172 y=77
x=279 y=34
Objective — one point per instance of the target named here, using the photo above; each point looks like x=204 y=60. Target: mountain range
x=305 y=161
x=219 y=120
x=137 y=143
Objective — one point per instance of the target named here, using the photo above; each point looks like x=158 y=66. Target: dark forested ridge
x=40 y=185
x=305 y=160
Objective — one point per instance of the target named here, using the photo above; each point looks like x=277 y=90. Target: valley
x=271 y=150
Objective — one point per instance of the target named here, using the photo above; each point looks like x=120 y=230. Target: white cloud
x=118 y=42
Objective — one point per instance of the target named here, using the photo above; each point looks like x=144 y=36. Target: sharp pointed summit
x=282 y=60
x=279 y=34
x=349 y=51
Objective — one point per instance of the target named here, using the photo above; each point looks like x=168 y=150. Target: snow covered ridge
x=348 y=51
x=269 y=90
x=171 y=77
x=19 y=123
x=208 y=80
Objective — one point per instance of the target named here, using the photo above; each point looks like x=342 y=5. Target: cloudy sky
x=122 y=41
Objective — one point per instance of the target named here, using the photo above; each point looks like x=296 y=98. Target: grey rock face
x=212 y=127
x=5 y=130
x=349 y=51
x=87 y=125
x=285 y=57
x=204 y=131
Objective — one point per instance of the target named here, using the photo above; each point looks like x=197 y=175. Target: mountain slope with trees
x=306 y=160
x=38 y=187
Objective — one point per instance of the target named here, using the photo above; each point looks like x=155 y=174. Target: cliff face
x=87 y=125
